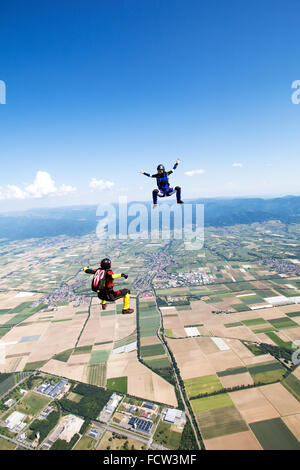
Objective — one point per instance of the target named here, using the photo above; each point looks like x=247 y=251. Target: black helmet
x=105 y=263
x=160 y=167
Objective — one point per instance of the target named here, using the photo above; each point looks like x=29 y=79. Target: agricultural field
x=230 y=318
x=6 y=445
x=31 y=404
x=113 y=441
x=202 y=385
x=167 y=435
x=85 y=443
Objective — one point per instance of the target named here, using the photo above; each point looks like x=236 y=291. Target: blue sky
x=101 y=89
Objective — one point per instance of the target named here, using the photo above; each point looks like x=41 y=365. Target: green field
x=273 y=434
x=169 y=332
x=149 y=322
x=240 y=307
x=235 y=371
x=4 y=311
x=82 y=350
x=148 y=332
x=85 y=443
x=99 y=356
x=34 y=365
x=232 y=325
x=220 y=422
x=167 y=438
x=266 y=372
x=74 y=397
x=281 y=323
x=148 y=313
x=210 y=403
x=64 y=355
x=119 y=384
x=152 y=350
x=96 y=375
x=292 y=384
x=161 y=363
x=252 y=299
x=6 y=445
x=279 y=341
x=32 y=403
x=254 y=321
x=201 y=385
x=293 y=314
x=264 y=330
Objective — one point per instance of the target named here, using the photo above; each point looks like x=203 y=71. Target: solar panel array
x=141 y=424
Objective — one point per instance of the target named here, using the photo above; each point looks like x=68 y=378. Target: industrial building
x=52 y=390
x=93 y=433
x=171 y=415
x=113 y=403
x=14 y=420
x=140 y=424
x=148 y=404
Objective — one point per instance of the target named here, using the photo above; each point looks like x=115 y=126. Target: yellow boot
x=126 y=308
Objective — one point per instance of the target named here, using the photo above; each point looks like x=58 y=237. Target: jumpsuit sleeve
x=116 y=276
x=89 y=271
x=174 y=168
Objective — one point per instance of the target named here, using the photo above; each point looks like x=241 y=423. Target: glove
x=124 y=275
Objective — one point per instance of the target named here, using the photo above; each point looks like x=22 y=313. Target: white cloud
x=14 y=192
x=238 y=164
x=100 y=184
x=65 y=189
x=42 y=186
x=194 y=172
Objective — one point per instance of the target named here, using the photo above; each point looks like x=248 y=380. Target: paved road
x=186 y=409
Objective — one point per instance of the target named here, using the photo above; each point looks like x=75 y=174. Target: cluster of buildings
x=65 y=293
x=110 y=407
x=93 y=433
x=9 y=403
x=173 y=416
x=45 y=412
x=282 y=266
x=67 y=427
x=53 y=390
x=14 y=422
x=140 y=424
x=191 y=278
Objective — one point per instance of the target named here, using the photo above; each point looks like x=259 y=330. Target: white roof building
x=15 y=419
x=170 y=415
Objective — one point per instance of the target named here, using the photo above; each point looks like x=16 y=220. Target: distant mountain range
x=81 y=220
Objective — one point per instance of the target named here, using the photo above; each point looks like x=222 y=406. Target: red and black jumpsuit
x=108 y=293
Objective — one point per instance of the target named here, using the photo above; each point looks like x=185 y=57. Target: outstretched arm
x=175 y=166
x=87 y=270
x=147 y=174
x=117 y=276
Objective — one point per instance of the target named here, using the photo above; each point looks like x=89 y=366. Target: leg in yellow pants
x=125 y=302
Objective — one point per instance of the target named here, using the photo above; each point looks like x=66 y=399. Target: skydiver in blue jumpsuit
x=163 y=185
